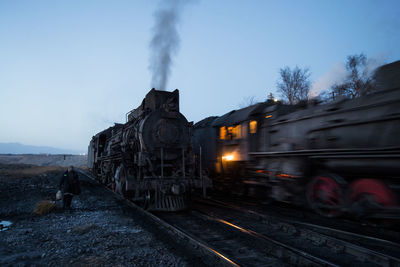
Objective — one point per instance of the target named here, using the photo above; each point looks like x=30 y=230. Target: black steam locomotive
x=149 y=158
x=338 y=157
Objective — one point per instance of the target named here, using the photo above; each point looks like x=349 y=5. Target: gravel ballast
x=100 y=230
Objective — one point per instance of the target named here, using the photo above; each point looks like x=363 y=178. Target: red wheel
x=369 y=194
x=325 y=195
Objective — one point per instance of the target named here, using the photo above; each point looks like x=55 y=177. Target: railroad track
x=342 y=227
x=384 y=229
x=340 y=246
x=221 y=244
x=243 y=247
x=236 y=239
x=206 y=253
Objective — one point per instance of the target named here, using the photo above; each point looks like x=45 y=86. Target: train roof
x=388 y=76
x=205 y=122
x=240 y=115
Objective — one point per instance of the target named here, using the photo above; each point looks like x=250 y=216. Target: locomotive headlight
x=228 y=157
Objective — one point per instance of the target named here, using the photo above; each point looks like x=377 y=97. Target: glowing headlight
x=228 y=157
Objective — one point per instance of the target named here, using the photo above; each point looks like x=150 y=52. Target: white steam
x=373 y=64
x=338 y=74
x=335 y=75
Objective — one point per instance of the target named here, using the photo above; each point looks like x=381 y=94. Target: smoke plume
x=165 y=41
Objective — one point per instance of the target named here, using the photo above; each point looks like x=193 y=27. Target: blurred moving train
x=343 y=156
x=149 y=158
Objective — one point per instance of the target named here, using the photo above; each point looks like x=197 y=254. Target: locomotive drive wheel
x=369 y=195
x=120 y=181
x=325 y=195
x=146 y=199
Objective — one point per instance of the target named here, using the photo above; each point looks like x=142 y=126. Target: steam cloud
x=337 y=74
x=165 y=42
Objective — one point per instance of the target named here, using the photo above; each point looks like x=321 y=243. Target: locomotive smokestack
x=165 y=42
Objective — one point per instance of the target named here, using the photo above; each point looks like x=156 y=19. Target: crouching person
x=69 y=184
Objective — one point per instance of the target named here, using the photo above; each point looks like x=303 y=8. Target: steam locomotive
x=342 y=156
x=148 y=159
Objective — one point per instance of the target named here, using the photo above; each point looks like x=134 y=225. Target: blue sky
x=69 y=69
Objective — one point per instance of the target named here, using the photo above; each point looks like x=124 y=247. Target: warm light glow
x=275 y=100
x=222 y=256
x=222 y=133
x=228 y=157
x=253 y=126
x=230 y=132
x=234 y=226
x=268 y=116
x=237 y=132
x=284 y=175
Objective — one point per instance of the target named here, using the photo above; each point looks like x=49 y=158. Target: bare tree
x=247 y=101
x=294 y=85
x=359 y=80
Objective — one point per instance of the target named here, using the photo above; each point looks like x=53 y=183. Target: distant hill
x=17 y=148
x=45 y=159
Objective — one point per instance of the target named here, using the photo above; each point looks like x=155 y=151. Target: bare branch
x=294 y=85
x=359 y=80
x=248 y=101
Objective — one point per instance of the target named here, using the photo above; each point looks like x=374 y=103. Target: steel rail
x=347 y=247
x=292 y=251
x=207 y=250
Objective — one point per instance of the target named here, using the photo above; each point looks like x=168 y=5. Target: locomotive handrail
x=306 y=152
x=388 y=118
x=127 y=115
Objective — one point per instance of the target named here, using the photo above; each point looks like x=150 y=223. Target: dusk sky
x=69 y=69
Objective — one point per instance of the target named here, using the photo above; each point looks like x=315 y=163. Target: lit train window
x=237 y=132
x=234 y=132
x=222 y=133
x=253 y=126
x=230 y=133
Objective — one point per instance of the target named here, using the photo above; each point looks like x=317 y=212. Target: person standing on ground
x=69 y=184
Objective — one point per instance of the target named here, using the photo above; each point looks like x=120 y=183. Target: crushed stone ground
x=98 y=231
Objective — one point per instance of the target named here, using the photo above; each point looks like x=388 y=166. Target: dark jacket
x=69 y=183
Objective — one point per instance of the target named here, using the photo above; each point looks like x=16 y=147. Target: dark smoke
x=165 y=42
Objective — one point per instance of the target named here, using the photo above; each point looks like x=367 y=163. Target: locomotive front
x=162 y=130
x=158 y=135
x=149 y=158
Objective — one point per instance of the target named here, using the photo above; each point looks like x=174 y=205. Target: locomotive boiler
x=149 y=158
x=342 y=156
